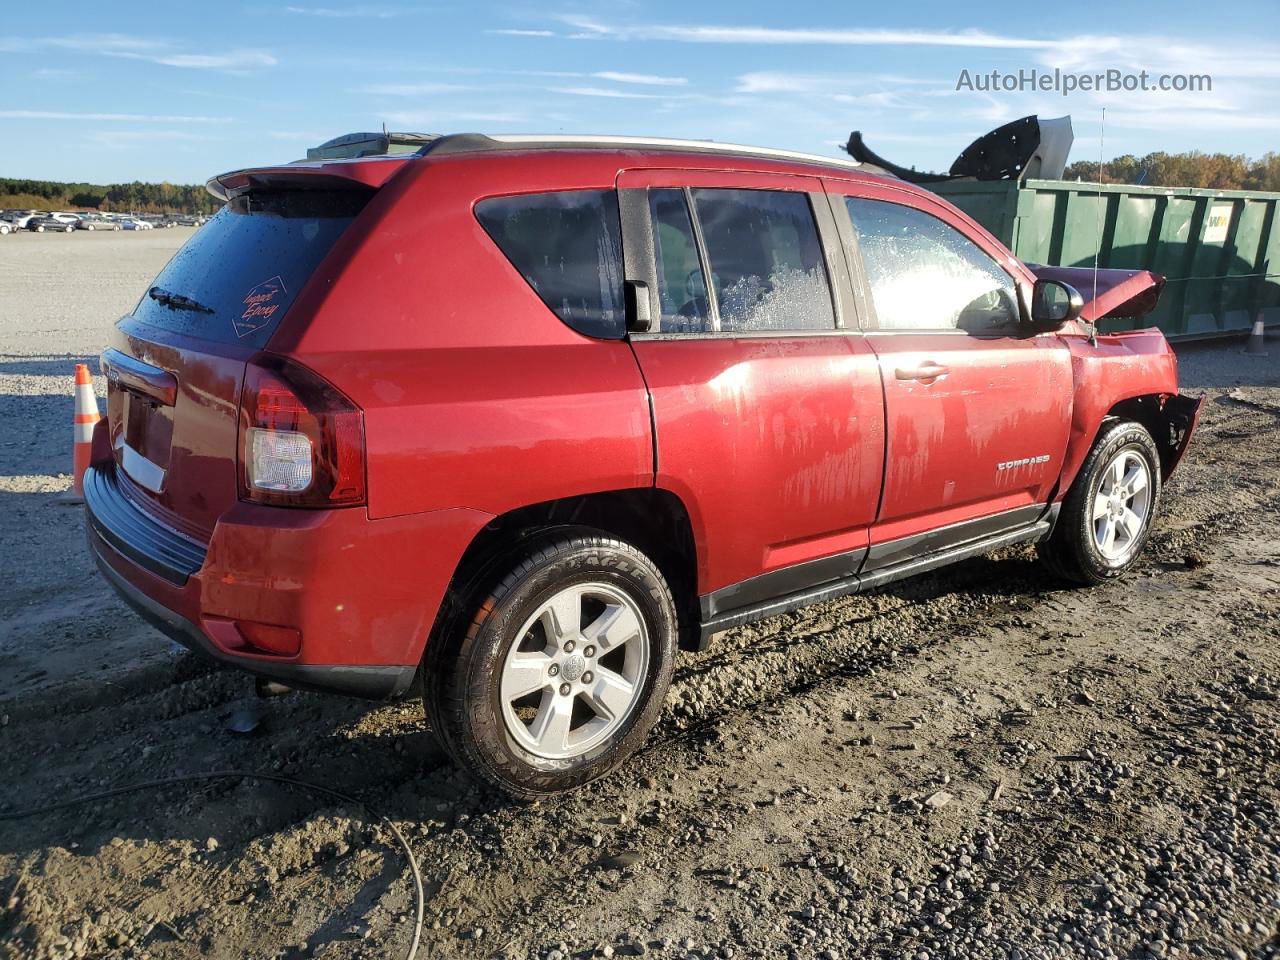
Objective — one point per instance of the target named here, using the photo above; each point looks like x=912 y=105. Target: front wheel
x=1106 y=516
x=562 y=670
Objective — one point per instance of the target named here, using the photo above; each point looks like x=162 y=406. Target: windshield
x=236 y=277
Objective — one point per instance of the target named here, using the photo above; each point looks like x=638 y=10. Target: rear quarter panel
x=475 y=394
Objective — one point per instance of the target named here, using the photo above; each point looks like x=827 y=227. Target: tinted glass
x=240 y=272
x=765 y=260
x=681 y=285
x=925 y=275
x=568 y=246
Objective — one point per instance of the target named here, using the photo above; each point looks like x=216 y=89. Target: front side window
x=681 y=287
x=568 y=247
x=926 y=275
x=765 y=260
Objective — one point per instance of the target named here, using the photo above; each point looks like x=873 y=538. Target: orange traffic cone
x=86 y=416
x=1257 y=344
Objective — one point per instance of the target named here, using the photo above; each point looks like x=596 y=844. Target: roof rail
x=484 y=143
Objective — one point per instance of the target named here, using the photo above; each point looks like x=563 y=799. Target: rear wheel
x=1106 y=516
x=561 y=671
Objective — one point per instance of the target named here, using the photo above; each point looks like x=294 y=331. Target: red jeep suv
x=514 y=418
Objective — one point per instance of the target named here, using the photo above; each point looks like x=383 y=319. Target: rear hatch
x=177 y=362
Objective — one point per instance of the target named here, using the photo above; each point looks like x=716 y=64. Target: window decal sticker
x=259 y=306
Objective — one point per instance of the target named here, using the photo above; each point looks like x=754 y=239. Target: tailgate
x=177 y=362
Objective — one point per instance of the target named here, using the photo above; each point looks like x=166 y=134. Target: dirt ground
x=976 y=763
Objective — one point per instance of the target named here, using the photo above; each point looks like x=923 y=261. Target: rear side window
x=926 y=275
x=235 y=279
x=765 y=260
x=568 y=247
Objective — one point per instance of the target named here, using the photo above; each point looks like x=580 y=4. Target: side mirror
x=1054 y=303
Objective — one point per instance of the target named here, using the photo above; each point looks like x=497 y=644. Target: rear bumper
x=362 y=594
x=376 y=683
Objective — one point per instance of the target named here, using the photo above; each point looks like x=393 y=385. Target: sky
x=182 y=91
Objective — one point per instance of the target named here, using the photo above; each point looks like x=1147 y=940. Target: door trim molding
x=733 y=606
x=901 y=549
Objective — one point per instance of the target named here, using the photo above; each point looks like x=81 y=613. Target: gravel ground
x=977 y=763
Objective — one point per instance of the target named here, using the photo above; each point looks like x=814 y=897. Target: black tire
x=464 y=661
x=1072 y=552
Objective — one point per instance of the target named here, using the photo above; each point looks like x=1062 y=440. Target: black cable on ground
x=247 y=775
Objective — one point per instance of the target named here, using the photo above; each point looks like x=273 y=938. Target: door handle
x=133 y=375
x=927 y=372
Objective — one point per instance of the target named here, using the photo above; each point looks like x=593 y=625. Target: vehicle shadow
x=46 y=365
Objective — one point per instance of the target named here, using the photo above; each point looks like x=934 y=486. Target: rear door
x=175 y=365
x=977 y=410
x=766 y=402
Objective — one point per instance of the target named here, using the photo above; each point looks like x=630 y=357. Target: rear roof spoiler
x=368 y=173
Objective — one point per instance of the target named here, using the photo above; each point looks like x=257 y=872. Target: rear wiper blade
x=177 y=300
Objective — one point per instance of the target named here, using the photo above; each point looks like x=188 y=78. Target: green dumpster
x=1219 y=249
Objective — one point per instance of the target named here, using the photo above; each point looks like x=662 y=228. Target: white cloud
x=150 y=49
x=142 y=117
x=359 y=11
x=803 y=35
x=233 y=60
x=641 y=78
x=1084 y=53
x=523 y=33
x=606 y=92
x=769 y=81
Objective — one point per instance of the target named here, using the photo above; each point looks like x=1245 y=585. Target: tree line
x=1216 y=171
x=136 y=197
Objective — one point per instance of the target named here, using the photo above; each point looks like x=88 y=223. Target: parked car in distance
x=51 y=223
x=621 y=395
x=93 y=221
x=7 y=227
x=135 y=224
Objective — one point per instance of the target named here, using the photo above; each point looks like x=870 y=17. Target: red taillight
x=301 y=440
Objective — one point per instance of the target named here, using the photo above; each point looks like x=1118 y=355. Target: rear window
x=235 y=279
x=568 y=246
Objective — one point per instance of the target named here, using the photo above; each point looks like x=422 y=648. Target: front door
x=977 y=411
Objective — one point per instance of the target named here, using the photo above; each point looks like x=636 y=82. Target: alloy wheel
x=1121 y=506
x=575 y=671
